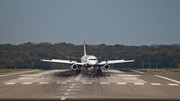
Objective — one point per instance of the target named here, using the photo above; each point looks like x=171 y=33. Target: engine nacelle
x=106 y=67
x=74 y=67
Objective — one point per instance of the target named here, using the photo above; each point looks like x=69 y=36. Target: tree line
x=28 y=55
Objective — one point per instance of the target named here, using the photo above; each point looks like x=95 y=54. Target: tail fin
x=84 y=48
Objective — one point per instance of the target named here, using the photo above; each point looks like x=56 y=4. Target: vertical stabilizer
x=84 y=48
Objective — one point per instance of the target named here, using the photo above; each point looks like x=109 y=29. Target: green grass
x=13 y=70
x=166 y=71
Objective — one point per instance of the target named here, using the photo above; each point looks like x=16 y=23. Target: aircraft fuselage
x=89 y=60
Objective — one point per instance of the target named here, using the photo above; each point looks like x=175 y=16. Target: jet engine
x=74 y=67
x=106 y=67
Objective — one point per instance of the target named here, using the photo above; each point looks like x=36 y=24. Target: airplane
x=89 y=61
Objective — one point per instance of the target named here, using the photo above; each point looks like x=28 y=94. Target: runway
x=64 y=84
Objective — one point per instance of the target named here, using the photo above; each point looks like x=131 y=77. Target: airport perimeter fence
x=119 y=68
x=116 y=68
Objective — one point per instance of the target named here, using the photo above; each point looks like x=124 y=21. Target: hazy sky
x=127 y=22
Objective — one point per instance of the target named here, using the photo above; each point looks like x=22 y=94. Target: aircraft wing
x=114 y=61
x=62 y=61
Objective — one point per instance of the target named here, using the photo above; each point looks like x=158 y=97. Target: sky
x=125 y=22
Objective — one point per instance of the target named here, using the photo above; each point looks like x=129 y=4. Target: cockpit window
x=92 y=59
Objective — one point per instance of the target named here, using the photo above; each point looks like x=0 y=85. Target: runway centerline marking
x=167 y=78
x=78 y=77
x=137 y=71
x=66 y=93
x=63 y=98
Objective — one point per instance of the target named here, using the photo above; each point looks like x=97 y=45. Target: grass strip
x=166 y=71
x=13 y=70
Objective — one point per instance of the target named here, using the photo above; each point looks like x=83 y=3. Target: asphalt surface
x=54 y=85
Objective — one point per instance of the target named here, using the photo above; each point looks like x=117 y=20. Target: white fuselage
x=89 y=60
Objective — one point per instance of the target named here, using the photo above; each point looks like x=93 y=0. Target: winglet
x=84 y=48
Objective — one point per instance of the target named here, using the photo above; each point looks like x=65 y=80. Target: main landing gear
x=78 y=71
x=99 y=71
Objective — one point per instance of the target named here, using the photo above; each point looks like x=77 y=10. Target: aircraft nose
x=93 y=62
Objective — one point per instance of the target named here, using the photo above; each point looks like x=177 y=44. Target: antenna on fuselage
x=84 y=48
